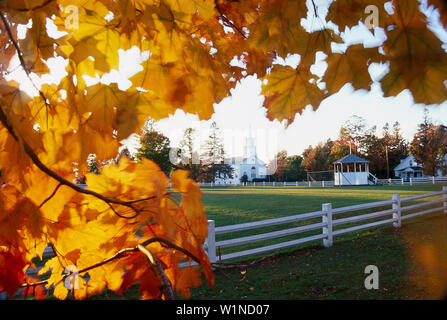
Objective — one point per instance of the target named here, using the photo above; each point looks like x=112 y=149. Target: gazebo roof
x=351 y=158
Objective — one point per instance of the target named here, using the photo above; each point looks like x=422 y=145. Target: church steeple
x=250 y=147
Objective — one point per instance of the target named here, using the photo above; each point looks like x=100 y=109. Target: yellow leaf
x=289 y=91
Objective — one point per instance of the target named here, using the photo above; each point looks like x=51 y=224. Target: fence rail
x=390 y=212
x=401 y=209
x=324 y=183
x=412 y=181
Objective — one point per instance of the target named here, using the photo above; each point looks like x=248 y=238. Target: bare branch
x=51 y=195
x=226 y=20
x=157 y=269
x=315 y=9
x=20 y=55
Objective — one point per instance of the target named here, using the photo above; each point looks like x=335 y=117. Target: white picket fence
x=413 y=181
x=410 y=181
x=272 y=184
x=399 y=209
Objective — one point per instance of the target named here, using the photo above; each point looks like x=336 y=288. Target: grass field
x=232 y=205
x=410 y=259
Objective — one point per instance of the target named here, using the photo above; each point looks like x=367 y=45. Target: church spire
x=250 y=147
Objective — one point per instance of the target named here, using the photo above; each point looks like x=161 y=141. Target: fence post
x=402 y=181
x=397 y=216
x=211 y=241
x=296 y=183
x=273 y=183
x=444 y=196
x=309 y=184
x=433 y=178
x=322 y=183
x=411 y=181
x=327 y=230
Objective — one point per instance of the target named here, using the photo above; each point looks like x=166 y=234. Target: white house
x=249 y=165
x=410 y=168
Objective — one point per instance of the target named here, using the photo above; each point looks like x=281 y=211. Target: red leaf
x=11 y=272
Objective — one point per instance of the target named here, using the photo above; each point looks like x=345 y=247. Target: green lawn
x=228 y=205
x=411 y=259
x=313 y=272
x=232 y=205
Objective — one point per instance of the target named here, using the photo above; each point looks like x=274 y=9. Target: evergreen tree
x=190 y=159
x=214 y=157
x=92 y=164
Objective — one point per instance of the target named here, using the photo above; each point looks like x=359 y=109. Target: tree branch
x=120 y=254
x=20 y=55
x=228 y=21
x=157 y=269
x=34 y=8
x=35 y=159
x=315 y=9
x=51 y=195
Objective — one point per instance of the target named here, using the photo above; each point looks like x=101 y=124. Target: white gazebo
x=351 y=171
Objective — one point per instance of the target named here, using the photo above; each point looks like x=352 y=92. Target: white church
x=249 y=165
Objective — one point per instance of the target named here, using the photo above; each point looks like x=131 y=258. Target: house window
x=253 y=172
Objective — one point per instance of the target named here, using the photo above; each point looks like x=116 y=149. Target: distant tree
x=294 y=168
x=124 y=152
x=244 y=178
x=213 y=157
x=156 y=147
x=318 y=158
x=429 y=146
x=342 y=147
x=353 y=131
x=384 y=152
x=190 y=158
x=92 y=164
x=354 y=137
x=281 y=166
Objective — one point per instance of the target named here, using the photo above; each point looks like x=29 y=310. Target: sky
x=242 y=113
